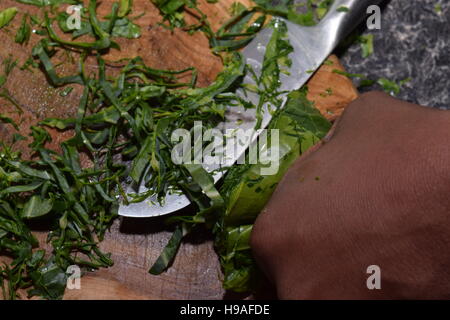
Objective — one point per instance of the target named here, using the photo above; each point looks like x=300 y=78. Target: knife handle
x=341 y=23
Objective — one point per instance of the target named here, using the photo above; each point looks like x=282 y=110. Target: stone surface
x=414 y=42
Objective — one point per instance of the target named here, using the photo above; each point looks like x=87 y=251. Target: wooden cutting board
x=136 y=243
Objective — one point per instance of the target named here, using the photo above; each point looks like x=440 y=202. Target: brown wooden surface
x=135 y=244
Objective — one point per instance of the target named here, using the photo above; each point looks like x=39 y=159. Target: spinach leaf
x=125 y=8
x=389 y=86
x=7 y=15
x=24 y=32
x=125 y=28
x=43 y=3
x=36 y=207
x=167 y=256
x=366 y=42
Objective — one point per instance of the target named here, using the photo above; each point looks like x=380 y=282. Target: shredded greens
x=24 y=32
x=386 y=85
x=123 y=126
x=366 y=42
x=7 y=15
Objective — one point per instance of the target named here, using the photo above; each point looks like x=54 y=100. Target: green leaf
x=43 y=3
x=366 y=42
x=7 y=15
x=8 y=120
x=125 y=8
x=313 y=11
x=40 y=51
x=343 y=9
x=26 y=188
x=438 y=8
x=349 y=75
x=169 y=253
x=206 y=183
x=3 y=233
x=389 y=86
x=22 y=167
x=36 y=259
x=24 y=32
x=103 y=41
x=36 y=207
x=49 y=281
x=39 y=3
x=142 y=160
x=240 y=270
x=126 y=29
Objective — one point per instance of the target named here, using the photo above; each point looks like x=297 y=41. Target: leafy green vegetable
x=102 y=42
x=172 y=11
x=349 y=75
x=7 y=15
x=115 y=25
x=49 y=280
x=236 y=32
x=125 y=8
x=126 y=29
x=366 y=42
x=314 y=10
x=167 y=256
x=246 y=190
x=40 y=51
x=24 y=32
x=43 y=3
x=343 y=9
x=438 y=8
x=66 y=91
x=36 y=207
x=8 y=120
x=389 y=86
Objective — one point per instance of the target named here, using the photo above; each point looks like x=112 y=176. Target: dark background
x=414 y=42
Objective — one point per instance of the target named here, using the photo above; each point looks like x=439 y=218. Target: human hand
x=376 y=193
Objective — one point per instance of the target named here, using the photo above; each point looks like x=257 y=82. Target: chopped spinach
x=7 y=15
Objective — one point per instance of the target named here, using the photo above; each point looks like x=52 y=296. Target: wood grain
x=135 y=244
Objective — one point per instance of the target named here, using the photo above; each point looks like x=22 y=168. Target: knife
x=312 y=45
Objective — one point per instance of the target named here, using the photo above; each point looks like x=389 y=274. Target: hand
x=376 y=193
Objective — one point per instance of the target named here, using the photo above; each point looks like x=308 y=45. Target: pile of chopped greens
x=123 y=126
